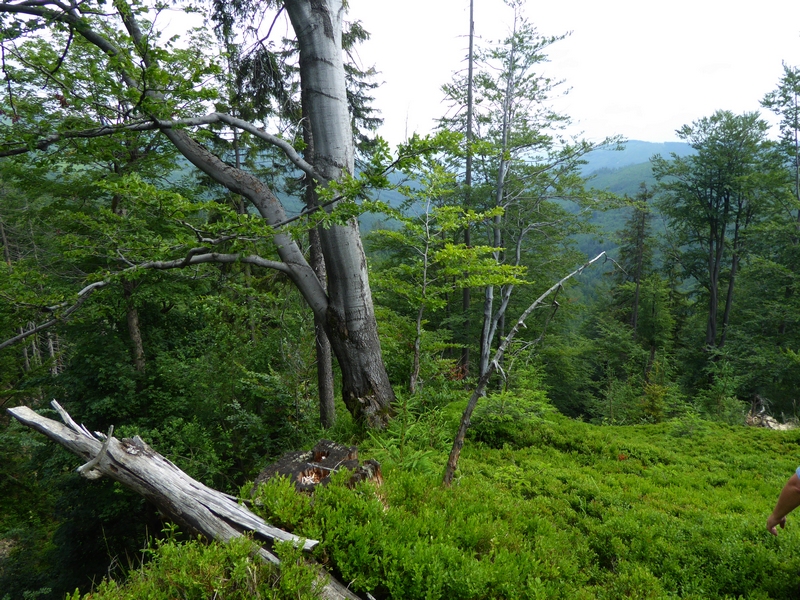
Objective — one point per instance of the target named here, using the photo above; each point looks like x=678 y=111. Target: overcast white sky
x=638 y=68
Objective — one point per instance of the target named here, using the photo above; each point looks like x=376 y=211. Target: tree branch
x=280 y=143
x=209 y=119
x=82 y=296
x=94 y=132
x=201 y=509
x=195 y=256
x=494 y=364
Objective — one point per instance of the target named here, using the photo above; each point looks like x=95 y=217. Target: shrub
x=194 y=570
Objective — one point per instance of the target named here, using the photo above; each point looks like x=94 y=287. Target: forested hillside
x=182 y=260
x=632 y=153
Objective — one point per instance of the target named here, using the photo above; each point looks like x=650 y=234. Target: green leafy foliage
x=414 y=438
x=719 y=400
x=544 y=507
x=505 y=417
x=196 y=570
x=565 y=510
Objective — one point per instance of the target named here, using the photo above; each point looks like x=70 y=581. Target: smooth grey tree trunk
x=325 y=389
x=640 y=231
x=349 y=314
x=26 y=359
x=716 y=244
x=346 y=308
x=726 y=315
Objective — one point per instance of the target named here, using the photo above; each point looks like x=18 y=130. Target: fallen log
x=134 y=464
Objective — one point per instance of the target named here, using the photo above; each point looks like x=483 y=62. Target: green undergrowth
x=194 y=570
x=561 y=509
x=566 y=510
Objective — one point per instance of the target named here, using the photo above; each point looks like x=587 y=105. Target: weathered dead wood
x=309 y=469
x=137 y=466
x=458 y=442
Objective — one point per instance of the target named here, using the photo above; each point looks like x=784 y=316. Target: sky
x=636 y=68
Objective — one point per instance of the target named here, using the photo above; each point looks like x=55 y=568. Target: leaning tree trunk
x=493 y=365
x=137 y=466
x=350 y=319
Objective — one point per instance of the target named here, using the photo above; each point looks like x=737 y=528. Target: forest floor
x=542 y=507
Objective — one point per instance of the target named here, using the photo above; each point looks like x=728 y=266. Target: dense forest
x=205 y=244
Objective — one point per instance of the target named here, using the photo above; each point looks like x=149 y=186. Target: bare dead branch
x=195 y=256
x=136 y=465
x=82 y=296
x=458 y=443
x=88 y=469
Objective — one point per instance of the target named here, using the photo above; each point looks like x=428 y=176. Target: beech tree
x=711 y=198
x=161 y=88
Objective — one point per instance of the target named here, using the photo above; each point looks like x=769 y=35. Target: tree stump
x=311 y=468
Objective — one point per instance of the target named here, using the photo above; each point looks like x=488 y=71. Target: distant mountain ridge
x=635 y=152
x=623 y=171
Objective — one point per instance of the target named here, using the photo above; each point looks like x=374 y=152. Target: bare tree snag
x=458 y=442
x=137 y=466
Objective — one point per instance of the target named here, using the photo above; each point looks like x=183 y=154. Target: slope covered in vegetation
x=203 y=310
x=545 y=507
